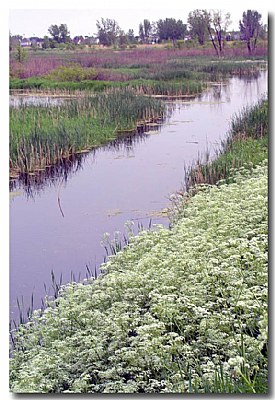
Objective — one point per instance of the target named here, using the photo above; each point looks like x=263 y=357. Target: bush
x=72 y=73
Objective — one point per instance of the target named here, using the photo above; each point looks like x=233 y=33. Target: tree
x=250 y=28
x=145 y=28
x=108 y=31
x=21 y=54
x=46 y=43
x=170 y=29
x=198 y=21
x=60 y=34
x=122 y=39
x=131 y=36
x=217 y=26
x=54 y=32
x=64 y=34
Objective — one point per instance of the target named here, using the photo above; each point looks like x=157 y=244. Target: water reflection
x=34 y=184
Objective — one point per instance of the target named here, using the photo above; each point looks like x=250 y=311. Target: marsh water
x=57 y=220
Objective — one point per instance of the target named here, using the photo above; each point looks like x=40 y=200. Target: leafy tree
x=108 y=31
x=131 y=36
x=54 y=32
x=198 y=21
x=60 y=34
x=64 y=34
x=170 y=29
x=217 y=26
x=250 y=28
x=145 y=29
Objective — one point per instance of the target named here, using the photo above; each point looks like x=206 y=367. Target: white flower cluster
x=178 y=310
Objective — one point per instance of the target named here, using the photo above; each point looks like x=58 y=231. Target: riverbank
x=179 y=310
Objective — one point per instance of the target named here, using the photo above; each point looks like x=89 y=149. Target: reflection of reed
x=55 y=175
x=51 y=176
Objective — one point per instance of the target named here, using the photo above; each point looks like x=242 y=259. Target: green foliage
x=72 y=73
x=108 y=31
x=198 y=21
x=171 y=29
x=60 y=34
x=41 y=136
x=180 y=310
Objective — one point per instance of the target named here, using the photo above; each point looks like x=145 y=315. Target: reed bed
x=169 y=89
x=246 y=146
x=43 y=136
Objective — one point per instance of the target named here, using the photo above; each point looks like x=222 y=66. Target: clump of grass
x=168 y=88
x=42 y=136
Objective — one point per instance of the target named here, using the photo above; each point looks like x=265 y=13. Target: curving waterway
x=57 y=220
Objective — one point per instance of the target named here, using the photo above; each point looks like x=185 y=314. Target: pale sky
x=34 y=21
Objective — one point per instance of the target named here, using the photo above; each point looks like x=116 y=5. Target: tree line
x=202 y=25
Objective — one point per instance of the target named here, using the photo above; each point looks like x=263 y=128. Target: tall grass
x=246 y=145
x=42 y=136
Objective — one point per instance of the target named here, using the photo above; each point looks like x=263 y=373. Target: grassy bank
x=245 y=145
x=179 y=310
x=42 y=136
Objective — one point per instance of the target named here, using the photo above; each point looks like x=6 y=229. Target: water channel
x=57 y=222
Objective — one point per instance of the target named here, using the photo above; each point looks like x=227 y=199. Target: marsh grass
x=160 y=71
x=42 y=136
x=246 y=145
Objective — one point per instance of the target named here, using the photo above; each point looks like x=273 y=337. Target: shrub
x=72 y=73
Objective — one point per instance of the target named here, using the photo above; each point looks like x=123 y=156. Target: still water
x=58 y=221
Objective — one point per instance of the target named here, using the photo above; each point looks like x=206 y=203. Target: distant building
x=32 y=42
x=25 y=42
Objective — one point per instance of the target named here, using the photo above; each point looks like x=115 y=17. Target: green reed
x=42 y=136
x=246 y=145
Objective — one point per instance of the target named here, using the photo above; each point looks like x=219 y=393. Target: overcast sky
x=35 y=21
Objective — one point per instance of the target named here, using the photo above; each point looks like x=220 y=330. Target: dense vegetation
x=96 y=69
x=42 y=136
x=179 y=310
